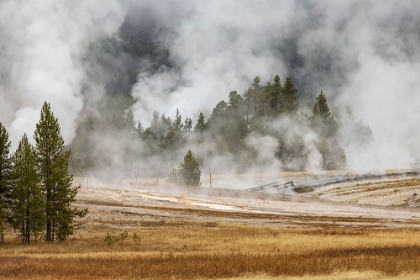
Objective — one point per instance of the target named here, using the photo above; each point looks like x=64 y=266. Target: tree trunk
x=49 y=227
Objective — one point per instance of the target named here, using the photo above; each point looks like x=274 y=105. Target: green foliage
x=174 y=137
x=4 y=209
x=53 y=162
x=322 y=121
x=270 y=110
x=228 y=123
x=5 y=179
x=289 y=98
x=109 y=239
x=274 y=93
x=188 y=172
x=188 y=125
x=27 y=209
x=201 y=124
x=123 y=235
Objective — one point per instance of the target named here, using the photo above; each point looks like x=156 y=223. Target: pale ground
x=152 y=202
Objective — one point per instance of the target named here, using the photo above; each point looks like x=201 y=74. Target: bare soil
x=152 y=202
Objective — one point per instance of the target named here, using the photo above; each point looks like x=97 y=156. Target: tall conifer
x=27 y=204
x=289 y=99
x=53 y=163
x=5 y=179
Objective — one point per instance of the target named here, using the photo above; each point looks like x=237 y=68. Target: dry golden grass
x=348 y=275
x=219 y=251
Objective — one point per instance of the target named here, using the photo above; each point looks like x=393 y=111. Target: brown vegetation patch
x=211 y=251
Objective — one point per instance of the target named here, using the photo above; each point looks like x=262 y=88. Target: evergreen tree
x=236 y=126
x=259 y=96
x=139 y=130
x=5 y=179
x=177 y=124
x=254 y=100
x=53 y=163
x=201 y=124
x=322 y=121
x=274 y=93
x=175 y=136
x=289 y=98
x=188 y=125
x=27 y=207
x=235 y=101
x=4 y=211
x=189 y=170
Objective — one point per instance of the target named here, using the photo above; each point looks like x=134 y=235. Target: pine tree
x=189 y=170
x=188 y=125
x=177 y=124
x=139 y=130
x=254 y=99
x=260 y=99
x=27 y=209
x=201 y=124
x=322 y=121
x=56 y=181
x=4 y=209
x=274 y=92
x=5 y=179
x=289 y=98
x=175 y=136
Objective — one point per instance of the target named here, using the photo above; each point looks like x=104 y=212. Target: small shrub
x=124 y=235
x=109 y=240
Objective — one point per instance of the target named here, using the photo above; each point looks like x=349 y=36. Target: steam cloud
x=362 y=54
x=42 y=46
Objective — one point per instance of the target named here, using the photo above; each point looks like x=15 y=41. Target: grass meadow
x=218 y=251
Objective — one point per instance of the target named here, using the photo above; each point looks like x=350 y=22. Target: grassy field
x=218 y=251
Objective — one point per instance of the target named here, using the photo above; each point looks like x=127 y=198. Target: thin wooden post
x=210 y=181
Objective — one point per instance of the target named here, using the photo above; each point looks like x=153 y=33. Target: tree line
x=272 y=110
x=36 y=189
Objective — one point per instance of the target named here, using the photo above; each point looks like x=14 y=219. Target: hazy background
x=190 y=54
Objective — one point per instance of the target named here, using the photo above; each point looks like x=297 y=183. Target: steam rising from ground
x=42 y=46
x=362 y=54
